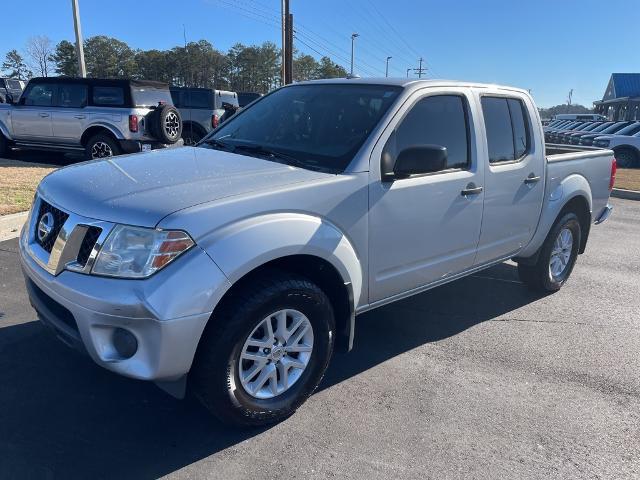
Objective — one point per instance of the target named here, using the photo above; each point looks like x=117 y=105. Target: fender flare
x=243 y=246
x=571 y=187
x=114 y=131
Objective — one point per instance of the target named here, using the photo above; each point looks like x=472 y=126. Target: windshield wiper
x=271 y=153
x=220 y=145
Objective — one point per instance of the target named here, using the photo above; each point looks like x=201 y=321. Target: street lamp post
x=353 y=38
x=408 y=70
x=386 y=70
x=82 y=71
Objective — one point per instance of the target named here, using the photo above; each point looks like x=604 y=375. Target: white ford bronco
x=233 y=269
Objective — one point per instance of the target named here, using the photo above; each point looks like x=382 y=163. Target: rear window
x=108 y=96
x=144 y=96
x=507 y=128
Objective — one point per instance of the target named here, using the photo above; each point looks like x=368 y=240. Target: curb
x=10 y=225
x=626 y=194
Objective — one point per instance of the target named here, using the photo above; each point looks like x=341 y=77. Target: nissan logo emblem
x=45 y=225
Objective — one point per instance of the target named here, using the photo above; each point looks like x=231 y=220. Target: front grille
x=89 y=241
x=59 y=217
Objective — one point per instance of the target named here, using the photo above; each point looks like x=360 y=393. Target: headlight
x=135 y=252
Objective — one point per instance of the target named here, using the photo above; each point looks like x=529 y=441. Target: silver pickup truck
x=236 y=267
x=100 y=117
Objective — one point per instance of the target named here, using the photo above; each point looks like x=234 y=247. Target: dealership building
x=621 y=100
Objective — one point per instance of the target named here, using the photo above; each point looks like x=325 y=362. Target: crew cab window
x=507 y=128
x=437 y=120
x=108 y=96
x=40 y=95
x=72 y=95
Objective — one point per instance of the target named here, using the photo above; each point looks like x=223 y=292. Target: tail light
x=614 y=169
x=215 y=121
x=133 y=123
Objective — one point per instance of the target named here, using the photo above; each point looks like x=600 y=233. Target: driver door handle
x=44 y=115
x=532 y=179
x=471 y=189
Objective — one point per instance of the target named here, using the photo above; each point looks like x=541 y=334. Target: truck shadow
x=61 y=416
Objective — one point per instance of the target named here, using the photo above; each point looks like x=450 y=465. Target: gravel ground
x=475 y=379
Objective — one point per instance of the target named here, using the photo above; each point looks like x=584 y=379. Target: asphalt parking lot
x=476 y=379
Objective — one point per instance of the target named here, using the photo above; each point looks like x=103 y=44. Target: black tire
x=214 y=377
x=100 y=145
x=191 y=136
x=626 y=158
x=166 y=124
x=538 y=276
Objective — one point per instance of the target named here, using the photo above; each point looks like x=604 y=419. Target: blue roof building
x=621 y=99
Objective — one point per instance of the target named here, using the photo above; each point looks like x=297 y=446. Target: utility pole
x=420 y=70
x=288 y=77
x=82 y=70
x=386 y=70
x=353 y=38
x=284 y=8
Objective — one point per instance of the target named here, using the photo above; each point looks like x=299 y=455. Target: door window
x=437 y=120
x=40 y=95
x=72 y=95
x=507 y=128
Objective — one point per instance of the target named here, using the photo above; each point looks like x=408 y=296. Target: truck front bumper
x=145 y=329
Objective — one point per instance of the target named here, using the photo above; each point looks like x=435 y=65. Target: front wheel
x=556 y=258
x=265 y=352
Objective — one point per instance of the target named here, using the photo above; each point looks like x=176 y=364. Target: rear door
x=423 y=228
x=514 y=176
x=31 y=118
x=70 y=118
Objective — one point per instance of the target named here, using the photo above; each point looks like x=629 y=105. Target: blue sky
x=548 y=46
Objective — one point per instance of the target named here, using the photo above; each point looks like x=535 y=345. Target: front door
x=423 y=228
x=514 y=177
x=31 y=118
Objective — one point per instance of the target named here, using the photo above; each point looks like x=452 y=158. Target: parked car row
x=107 y=117
x=622 y=137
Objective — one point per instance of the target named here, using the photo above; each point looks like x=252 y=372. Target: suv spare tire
x=165 y=124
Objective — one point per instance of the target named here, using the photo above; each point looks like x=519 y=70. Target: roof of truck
x=101 y=81
x=405 y=82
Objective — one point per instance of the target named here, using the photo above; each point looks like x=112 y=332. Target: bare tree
x=40 y=50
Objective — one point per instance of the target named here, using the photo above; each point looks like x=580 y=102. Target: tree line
x=255 y=68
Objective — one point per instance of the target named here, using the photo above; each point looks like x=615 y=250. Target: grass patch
x=18 y=182
x=628 y=178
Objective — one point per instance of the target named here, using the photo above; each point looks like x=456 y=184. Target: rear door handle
x=44 y=115
x=532 y=179
x=80 y=116
x=471 y=189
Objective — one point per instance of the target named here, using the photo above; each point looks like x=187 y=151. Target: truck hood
x=143 y=188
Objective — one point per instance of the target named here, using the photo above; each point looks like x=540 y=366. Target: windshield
x=321 y=126
x=150 y=96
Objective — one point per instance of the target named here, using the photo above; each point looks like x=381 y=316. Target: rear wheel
x=626 y=158
x=166 y=124
x=265 y=352
x=101 y=146
x=556 y=258
x=190 y=136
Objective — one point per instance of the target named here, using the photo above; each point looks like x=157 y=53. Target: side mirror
x=9 y=97
x=419 y=160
